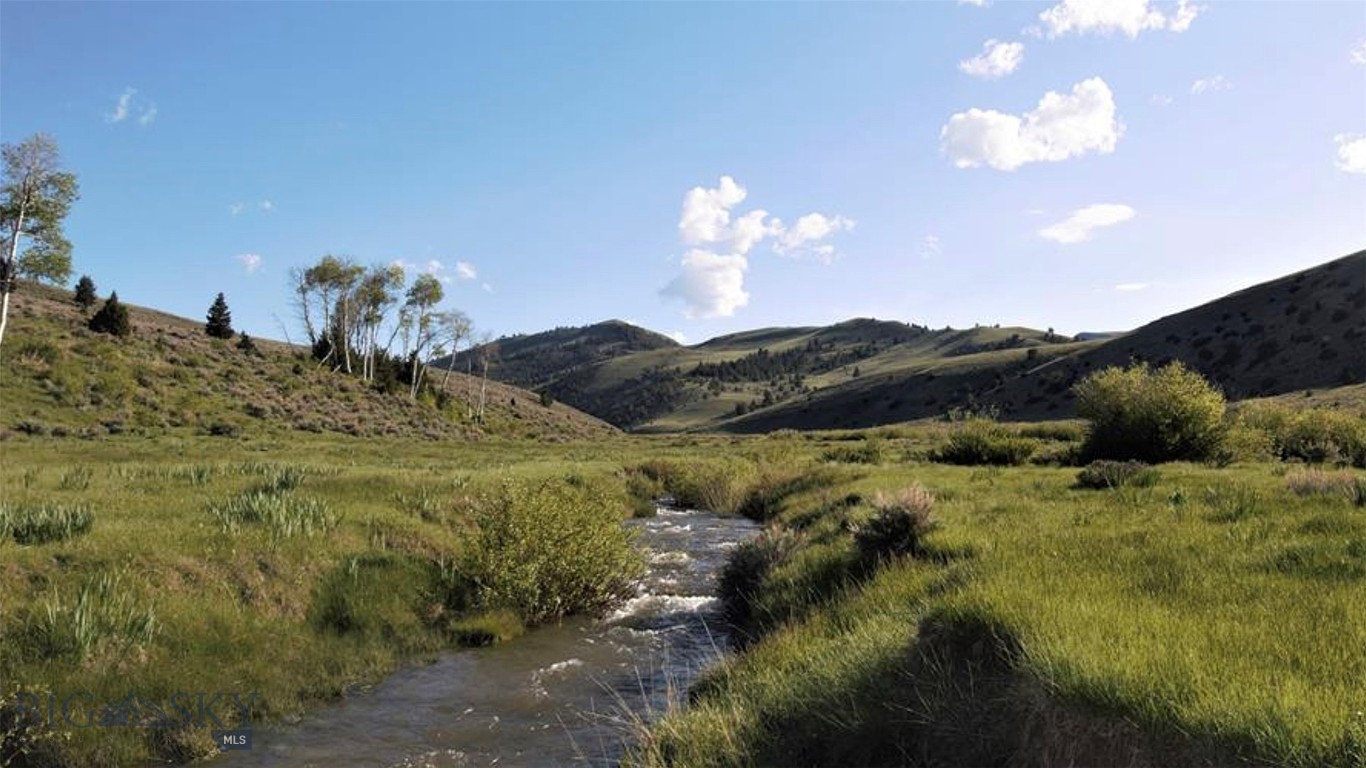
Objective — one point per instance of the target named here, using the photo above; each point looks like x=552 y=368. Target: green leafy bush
x=898 y=525
x=870 y=451
x=551 y=548
x=1315 y=435
x=1103 y=474
x=112 y=318
x=980 y=441
x=1153 y=415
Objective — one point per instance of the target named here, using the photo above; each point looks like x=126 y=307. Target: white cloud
x=250 y=261
x=1351 y=153
x=487 y=288
x=929 y=247
x=465 y=270
x=1106 y=17
x=1131 y=286
x=266 y=206
x=997 y=59
x=236 y=208
x=711 y=284
x=1210 y=85
x=1079 y=226
x=1060 y=127
x=706 y=212
x=1358 y=54
x=809 y=231
x=678 y=336
x=978 y=3
x=1160 y=100
x=121 y=106
x=148 y=115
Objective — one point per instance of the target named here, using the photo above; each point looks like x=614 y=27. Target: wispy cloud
x=1079 y=226
x=1106 y=17
x=1358 y=54
x=487 y=288
x=996 y=60
x=1210 y=85
x=1131 y=286
x=121 y=106
x=678 y=336
x=148 y=115
x=240 y=207
x=929 y=247
x=266 y=206
x=235 y=209
x=250 y=261
x=1160 y=100
x=465 y=270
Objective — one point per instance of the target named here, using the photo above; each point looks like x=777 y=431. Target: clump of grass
x=104 y=614
x=45 y=523
x=873 y=450
x=767 y=493
x=748 y=565
x=1318 y=482
x=75 y=479
x=422 y=502
x=283 y=514
x=1234 y=502
x=898 y=525
x=1104 y=474
x=980 y=441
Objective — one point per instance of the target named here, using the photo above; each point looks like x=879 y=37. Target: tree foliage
x=219 y=320
x=1166 y=414
x=84 y=295
x=35 y=196
x=112 y=318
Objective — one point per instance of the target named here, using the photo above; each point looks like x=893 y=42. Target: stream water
x=559 y=695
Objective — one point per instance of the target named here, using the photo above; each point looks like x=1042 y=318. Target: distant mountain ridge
x=1305 y=330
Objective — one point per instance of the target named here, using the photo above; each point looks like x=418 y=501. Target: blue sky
x=703 y=168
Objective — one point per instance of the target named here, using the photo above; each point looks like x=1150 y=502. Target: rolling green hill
x=1303 y=331
x=59 y=378
x=1306 y=330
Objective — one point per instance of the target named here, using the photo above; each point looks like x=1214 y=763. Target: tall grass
x=44 y=523
x=104 y=614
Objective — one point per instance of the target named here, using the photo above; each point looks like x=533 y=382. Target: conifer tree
x=85 y=297
x=219 y=323
x=112 y=318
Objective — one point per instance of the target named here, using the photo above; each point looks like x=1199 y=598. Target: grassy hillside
x=168 y=376
x=1303 y=331
x=669 y=387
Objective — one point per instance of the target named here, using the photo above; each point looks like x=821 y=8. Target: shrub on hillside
x=551 y=548
x=872 y=450
x=1153 y=415
x=1317 y=482
x=111 y=319
x=898 y=525
x=84 y=295
x=1104 y=474
x=981 y=441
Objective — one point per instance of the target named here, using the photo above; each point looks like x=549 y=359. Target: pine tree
x=219 y=323
x=112 y=318
x=246 y=344
x=85 y=297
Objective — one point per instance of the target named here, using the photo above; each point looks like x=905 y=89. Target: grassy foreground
x=1212 y=616
x=1207 y=615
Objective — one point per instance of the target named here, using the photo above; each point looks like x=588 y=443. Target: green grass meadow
x=1207 y=615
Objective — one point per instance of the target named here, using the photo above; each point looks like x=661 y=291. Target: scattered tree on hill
x=35 y=195
x=84 y=296
x=219 y=320
x=247 y=345
x=112 y=318
x=417 y=326
x=1167 y=414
